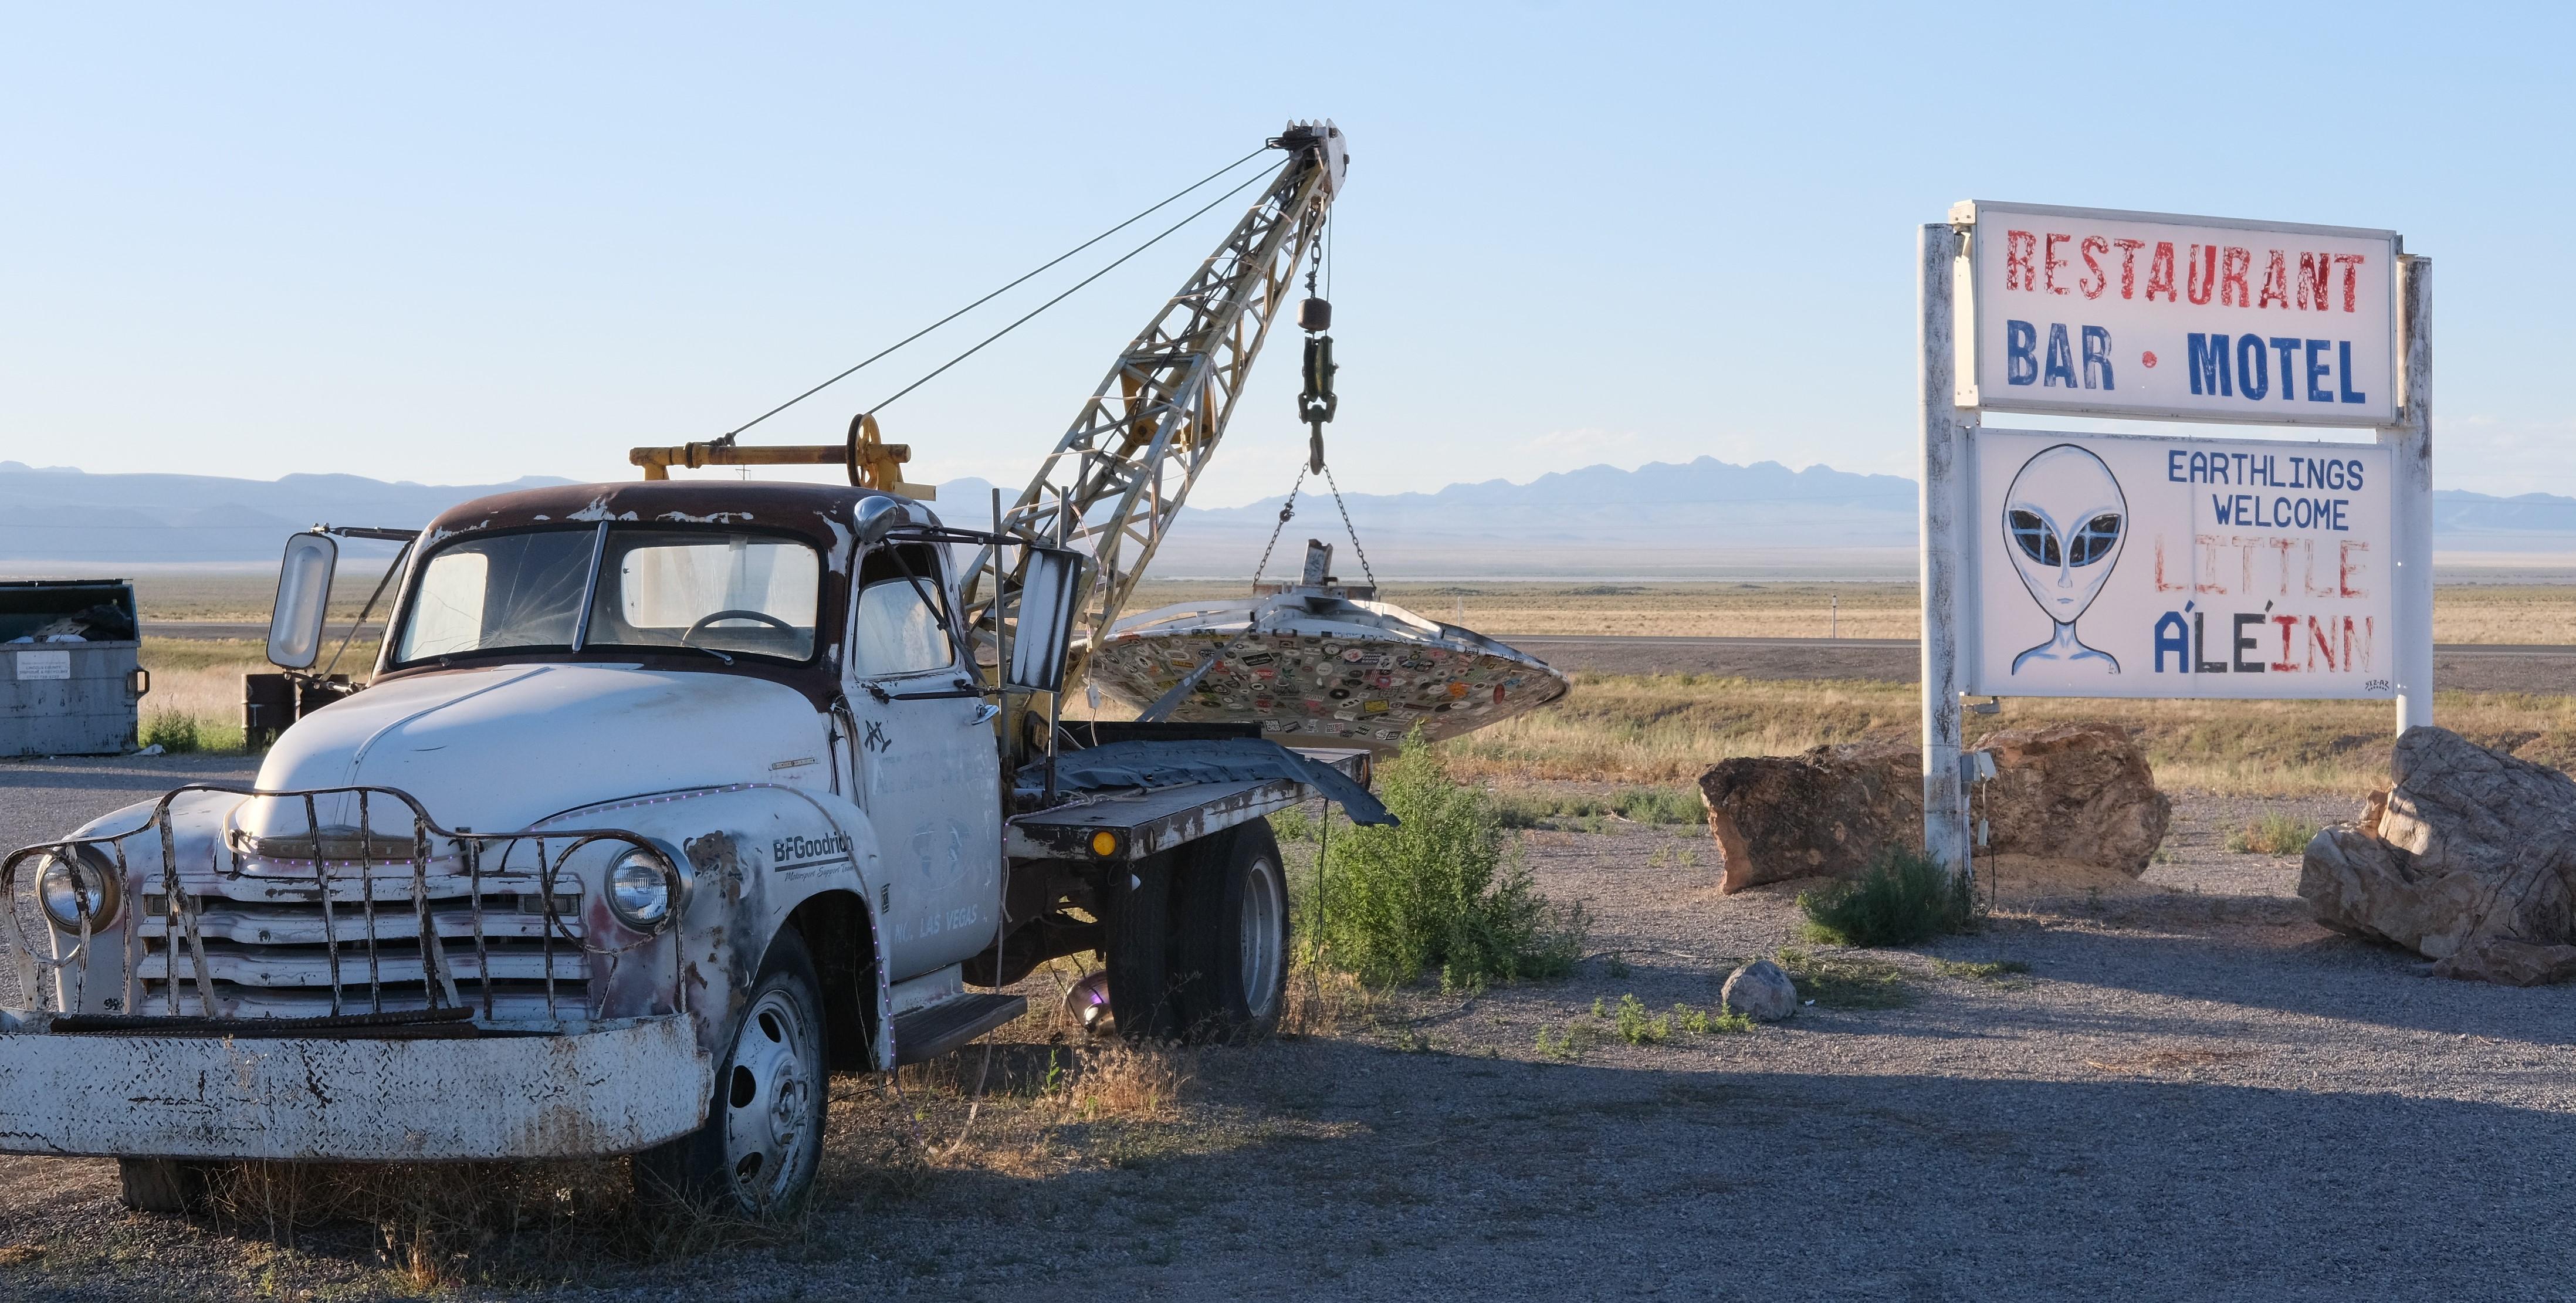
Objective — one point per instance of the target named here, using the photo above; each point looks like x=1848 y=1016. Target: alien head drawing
x=2064 y=521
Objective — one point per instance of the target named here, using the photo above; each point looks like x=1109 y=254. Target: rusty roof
x=809 y=510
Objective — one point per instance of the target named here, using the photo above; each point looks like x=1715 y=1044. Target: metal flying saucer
x=1321 y=663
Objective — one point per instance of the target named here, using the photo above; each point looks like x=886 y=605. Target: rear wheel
x=763 y=1137
x=1230 y=935
x=1139 y=944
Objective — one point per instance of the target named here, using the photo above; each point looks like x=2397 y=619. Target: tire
x=161 y=1185
x=763 y=1137
x=1139 y=944
x=1229 y=952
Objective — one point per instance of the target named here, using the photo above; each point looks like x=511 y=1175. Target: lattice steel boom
x=1119 y=475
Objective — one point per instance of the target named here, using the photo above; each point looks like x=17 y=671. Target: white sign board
x=2107 y=313
x=2128 y=566
x=44 y=665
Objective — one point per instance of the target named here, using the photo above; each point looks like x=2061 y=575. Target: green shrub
x=2273 y=834
x=1437 y=893
x=1705 y=1022
x=1902 y=899
x=173 y=731
x=1638 y=1029
x=1293 y=825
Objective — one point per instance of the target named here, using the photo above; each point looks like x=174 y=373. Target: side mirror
x=303 y=596
x=878 y=517
x=1050 y=597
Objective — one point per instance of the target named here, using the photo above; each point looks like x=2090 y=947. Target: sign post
x=2410 y=445
x=1945 y=457
x=2165 y=566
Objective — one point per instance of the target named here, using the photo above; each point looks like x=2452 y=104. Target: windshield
x=735 y=593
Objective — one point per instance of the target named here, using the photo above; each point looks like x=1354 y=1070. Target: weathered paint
x=1160 y=820
x=609 y=1091
x=1946 y=433
x=2410 y=445
x=740 y=894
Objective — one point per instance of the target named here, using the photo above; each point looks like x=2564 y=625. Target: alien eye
x=2037 y=540
x=2094 y=541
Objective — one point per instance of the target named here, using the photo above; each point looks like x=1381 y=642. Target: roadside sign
x=2108 y=313
x=2127 y=566
x=2093 y=565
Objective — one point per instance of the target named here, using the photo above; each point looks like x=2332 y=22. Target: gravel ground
x=2193 y=1093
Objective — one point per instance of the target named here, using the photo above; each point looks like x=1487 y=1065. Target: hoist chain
x=1286 y=510
x=1348 y=528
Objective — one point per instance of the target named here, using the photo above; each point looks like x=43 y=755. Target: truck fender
x=751 y=856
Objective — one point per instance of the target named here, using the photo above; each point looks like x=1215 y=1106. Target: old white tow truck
x=668 y=798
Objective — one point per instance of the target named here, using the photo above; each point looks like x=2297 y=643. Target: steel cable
x=728 y=435
x=1077 y=286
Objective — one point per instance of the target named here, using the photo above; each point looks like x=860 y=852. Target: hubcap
x=1264 y=940
x=769 y=1132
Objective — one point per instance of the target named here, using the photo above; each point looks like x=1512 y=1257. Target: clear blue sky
x=461 y=243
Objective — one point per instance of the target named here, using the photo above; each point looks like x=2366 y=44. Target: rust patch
x=718 y=858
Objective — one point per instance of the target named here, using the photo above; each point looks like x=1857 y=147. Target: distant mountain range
x=1699 y=519
x=56 y=513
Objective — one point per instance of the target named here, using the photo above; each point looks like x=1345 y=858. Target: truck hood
x=499 y=749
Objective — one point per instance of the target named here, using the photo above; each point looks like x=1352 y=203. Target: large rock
x=2068 y=792
x=2468 y=859
x=2076 y=792
x=1829 y=810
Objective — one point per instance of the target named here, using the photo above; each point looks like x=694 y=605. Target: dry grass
x=1719 y=610
x=2272 y=834
x=1671 y=728
x=436 y=1226
x=2462 y=612
x=246 y=594
x=200 y=679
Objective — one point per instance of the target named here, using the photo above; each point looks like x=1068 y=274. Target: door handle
x=984 y=714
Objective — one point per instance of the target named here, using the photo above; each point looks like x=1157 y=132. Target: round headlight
x=67 y=884
x=639 y=890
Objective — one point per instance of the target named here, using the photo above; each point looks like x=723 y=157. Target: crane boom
x=1114 y=482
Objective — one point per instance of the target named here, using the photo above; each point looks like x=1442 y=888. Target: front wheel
x=1230 y=935
x=763 y=1137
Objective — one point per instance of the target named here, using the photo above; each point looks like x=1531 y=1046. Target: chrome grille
x=263 y=928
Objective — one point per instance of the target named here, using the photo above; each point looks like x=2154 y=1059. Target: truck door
x=928 y=774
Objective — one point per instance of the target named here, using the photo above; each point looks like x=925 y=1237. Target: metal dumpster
x=70 y=681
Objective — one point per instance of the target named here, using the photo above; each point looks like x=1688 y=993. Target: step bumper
x=614 y=1089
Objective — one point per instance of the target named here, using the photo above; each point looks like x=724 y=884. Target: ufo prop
x=1319 y=663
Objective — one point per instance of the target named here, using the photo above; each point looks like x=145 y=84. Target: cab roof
x=822 y=514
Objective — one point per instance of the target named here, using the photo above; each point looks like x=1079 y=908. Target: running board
x=927 y=1033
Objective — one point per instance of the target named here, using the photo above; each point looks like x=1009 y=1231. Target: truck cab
x=665 y=800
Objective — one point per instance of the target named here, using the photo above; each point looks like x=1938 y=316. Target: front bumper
x=616 y=1089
